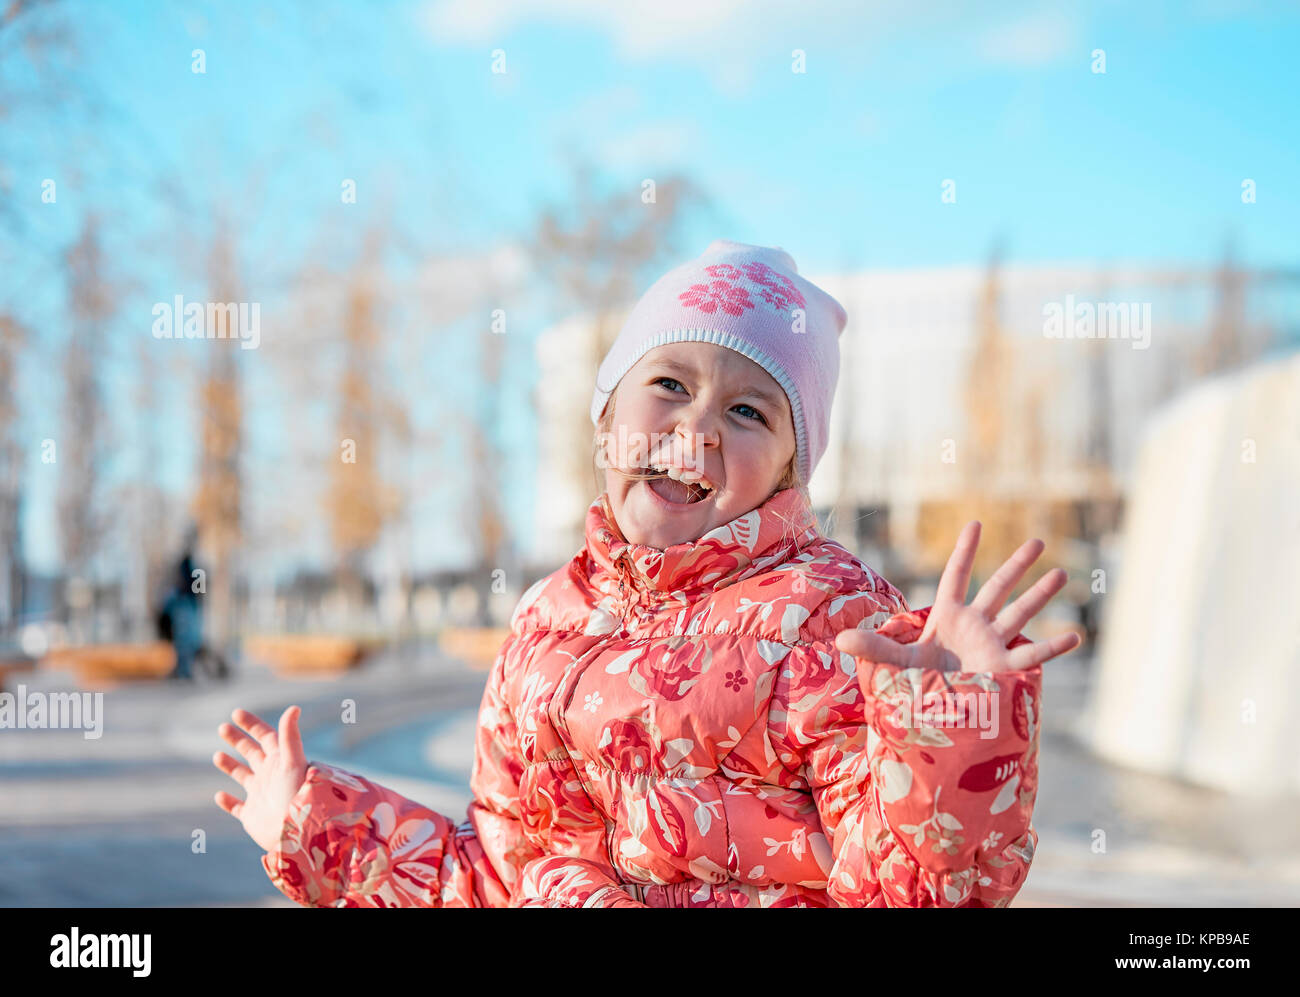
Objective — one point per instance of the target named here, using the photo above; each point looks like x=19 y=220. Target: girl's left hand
x=973 y=638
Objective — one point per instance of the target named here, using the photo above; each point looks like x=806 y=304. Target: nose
x=696 y=429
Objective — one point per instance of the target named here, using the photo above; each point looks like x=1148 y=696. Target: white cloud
x=726 y=39
x=641 y=29
x=732 y=40
x=1035 y=40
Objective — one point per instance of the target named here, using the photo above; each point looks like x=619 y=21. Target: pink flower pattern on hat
x=777 y=289
x=725 y=271
x=733 y=298
x=717 y=294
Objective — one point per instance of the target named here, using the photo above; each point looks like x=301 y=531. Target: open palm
x=973 y=638
x=276 y=769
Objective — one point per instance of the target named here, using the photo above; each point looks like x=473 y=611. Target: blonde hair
x=790 y=477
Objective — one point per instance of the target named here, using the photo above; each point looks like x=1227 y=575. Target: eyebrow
x=763 y=394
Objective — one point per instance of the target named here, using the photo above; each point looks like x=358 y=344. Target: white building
x=953 y=378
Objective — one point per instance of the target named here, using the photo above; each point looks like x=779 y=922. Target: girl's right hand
x=275 y=771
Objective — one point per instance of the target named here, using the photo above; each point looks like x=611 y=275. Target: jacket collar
x=751 y=543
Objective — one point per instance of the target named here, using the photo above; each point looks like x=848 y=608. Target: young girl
x=711 y=704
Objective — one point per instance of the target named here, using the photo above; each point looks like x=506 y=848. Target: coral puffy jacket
x=671 y=728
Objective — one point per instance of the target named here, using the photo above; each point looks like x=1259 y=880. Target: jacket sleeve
x=924 y=780
x=350 y=842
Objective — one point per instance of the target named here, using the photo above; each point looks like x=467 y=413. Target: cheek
x=753 y=461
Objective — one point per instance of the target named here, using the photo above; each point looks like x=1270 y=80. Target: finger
x=1028 y=655
x=956 y=575
x=873 y=647
x=258 y=727
x=291 y=737
x=1013 y=619
x=240 y=773
x=229 y=804
x=994 y=592
x=242 y=743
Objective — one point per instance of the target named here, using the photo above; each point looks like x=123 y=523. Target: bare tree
x=486 y=461
x=997 y=454
x=37 y=38
x=217 y=506
x=360 y=503
x=79 y=451
x=153 y=541
x=12 y=337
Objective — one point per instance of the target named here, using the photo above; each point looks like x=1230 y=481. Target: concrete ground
x=111 y=822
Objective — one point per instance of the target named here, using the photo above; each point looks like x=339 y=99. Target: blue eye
x=749 y=412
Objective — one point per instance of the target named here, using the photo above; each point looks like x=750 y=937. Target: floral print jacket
x=675 y=728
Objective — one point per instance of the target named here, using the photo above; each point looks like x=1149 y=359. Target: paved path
x=1167 y=843
x=110 y=822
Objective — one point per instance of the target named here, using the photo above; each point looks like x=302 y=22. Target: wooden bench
x=14 y=666
x=476 y=646
x=298 y=654
x=98 y=664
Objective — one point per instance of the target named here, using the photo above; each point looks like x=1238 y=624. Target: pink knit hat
x=750 y=299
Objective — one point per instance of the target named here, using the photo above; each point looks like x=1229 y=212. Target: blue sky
x=841 y=165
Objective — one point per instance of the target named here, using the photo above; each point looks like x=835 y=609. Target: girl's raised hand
x=973 y=638
x=276 y=769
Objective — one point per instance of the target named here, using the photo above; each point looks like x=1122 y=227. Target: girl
x=711 y=704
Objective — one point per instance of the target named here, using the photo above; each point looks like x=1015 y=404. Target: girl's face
x=711 y=429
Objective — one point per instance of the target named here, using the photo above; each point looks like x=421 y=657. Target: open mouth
x=669 y=486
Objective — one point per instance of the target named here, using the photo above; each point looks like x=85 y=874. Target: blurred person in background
x=181 y=619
